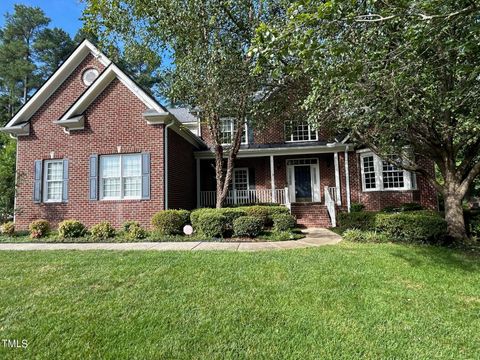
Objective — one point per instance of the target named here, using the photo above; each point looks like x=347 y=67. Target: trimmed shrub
x=411 y=207
x=211 y=224
x=248 y=226
x=39 y=229
x=284 y=222
x=170 y=222
x=356 y=235
x=413 y=227
x=260 y=212
x=363 y=220
x=230 y=215
x=71 y=229
x=135 y=232
x=102 y=231
x=127 y=224
x=8 y=228
x=357 y=207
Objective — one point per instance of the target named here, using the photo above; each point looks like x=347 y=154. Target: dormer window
x=300 y=131
x=227 y=131
x=89 y=76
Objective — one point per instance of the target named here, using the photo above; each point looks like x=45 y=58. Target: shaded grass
x=348 y=301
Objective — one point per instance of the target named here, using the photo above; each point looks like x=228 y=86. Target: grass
x=348 y=301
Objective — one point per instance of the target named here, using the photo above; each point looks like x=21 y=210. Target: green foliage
x=413 y=227
x=211 y=224
x=364 y=220
x=248 y=226
x=402 y=208
x=363 y=236
x=472 y=220
x=170 y=222
x=284 y=222
x=39 y=228
x=230 y=215
x=71 y=229
x=8 y=228
x=260 y=212
x=357 y=207
x=129 y=223
x=7 y=177
x=135 y=232
x=102 y=231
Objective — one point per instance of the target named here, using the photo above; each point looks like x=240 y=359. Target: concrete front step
x=311 y=215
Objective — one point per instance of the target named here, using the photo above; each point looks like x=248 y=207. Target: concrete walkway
x=314 y=237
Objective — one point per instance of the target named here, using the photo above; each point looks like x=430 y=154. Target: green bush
x=170 y=222
x=363 y=220
x=135 y=232
x=102 y=231
x=260 y=212
x=211 y=224
x=70 y=229
x=472 y=223
x=8 y=228
x=413 y=227
x=39 y=228
x=411 y=207
x=284 y=222
x=230 y=215
x=129 y=223
x=357 y=207
x=248 y=226
x=356 y=235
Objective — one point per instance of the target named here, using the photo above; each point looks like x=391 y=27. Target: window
x=380 y=175
x=121 y=177
x=300 y=131
x=53 y=181
x=227 y=131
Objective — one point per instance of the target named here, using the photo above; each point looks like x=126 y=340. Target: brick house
x=93 y=145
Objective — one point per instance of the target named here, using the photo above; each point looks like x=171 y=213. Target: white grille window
x=300 y=131
x=53 y=181
x=227 y=131
x=121 y=177
x=380 y=175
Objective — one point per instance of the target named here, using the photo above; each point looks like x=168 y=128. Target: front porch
x=302 y=182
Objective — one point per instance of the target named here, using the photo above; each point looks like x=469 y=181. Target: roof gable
x=53 y=83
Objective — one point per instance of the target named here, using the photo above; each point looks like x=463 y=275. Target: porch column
x=198 y=183
x=347 y=179
x=272 y=179
x=337 y=179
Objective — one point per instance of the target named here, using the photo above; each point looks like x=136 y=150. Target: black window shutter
x=93 y=177
x=251 y=178
x=145 y=176
x=37 y=186
x=65 y=181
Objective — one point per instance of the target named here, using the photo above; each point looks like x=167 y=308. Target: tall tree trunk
x=454 y=215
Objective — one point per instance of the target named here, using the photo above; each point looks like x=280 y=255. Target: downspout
x=165 y=165
x=16 y=180
x=347 y=179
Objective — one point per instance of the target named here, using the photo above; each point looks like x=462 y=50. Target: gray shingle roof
x=183 y=115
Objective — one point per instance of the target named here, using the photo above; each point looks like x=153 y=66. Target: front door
x=303 y=183
x=303 y=178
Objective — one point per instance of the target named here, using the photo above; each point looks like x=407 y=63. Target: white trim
x=122 y=196
x=165 y=165
x=272 y=179
x=347 y=181
x=314 y=175
x=259 y=152
x=378 y=169
x=232 y=131
x=54 y=82
x=45 y=181
x=198 y=183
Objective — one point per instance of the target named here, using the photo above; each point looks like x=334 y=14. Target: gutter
x=165 y=164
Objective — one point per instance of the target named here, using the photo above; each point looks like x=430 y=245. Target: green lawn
x=347 y=301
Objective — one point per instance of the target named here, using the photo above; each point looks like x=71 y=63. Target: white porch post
x=198 y=184
x=338 y=195
x=347 y=179
x=272 y=179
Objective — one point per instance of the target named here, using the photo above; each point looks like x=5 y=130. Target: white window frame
x=409 y=179
x=232 y=131
x=122 y=178
x=290 y=123
x=46 y=181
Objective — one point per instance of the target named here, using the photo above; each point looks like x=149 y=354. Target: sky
x=64 y=14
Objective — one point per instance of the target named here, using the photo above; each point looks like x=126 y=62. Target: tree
x=402 y=77
x=52 y=47
x=7 y=177
x=209 y=42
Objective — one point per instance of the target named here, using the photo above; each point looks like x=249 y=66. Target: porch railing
x=244 y=197
x=330 y=204
x=333 y=193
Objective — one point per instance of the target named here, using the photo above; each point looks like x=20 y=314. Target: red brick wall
x=181 y=173
x=114 y=119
